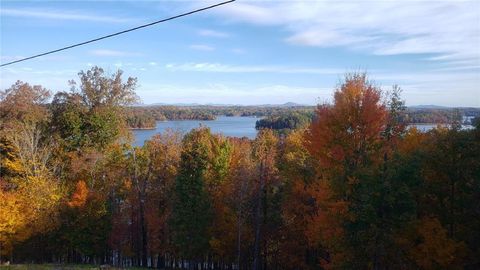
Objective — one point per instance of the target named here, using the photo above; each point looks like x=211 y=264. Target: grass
x=58 y=267
x=48 y=267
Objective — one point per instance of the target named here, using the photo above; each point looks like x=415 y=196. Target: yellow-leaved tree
x=29 y=189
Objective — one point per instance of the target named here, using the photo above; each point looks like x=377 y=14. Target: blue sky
x=252 y=52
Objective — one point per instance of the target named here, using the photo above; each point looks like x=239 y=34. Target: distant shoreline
x=436 y=124
x=409 y=124
x=152 y=128
x=149 y=128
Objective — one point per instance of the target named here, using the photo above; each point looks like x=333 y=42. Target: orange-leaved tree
x=345 y=138
x=346 y=135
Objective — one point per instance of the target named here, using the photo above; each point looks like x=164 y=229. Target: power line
x=118 y=33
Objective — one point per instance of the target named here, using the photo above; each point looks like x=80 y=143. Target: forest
x=145 y=116
x=352 y=189
x=279 y=117
x=286 y=122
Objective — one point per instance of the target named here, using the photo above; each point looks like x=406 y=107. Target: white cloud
x=239 y=51
x=440 y=87
x=326 y=38
x=255 y=13
x=448 y=28
x=29 y=71
x=153 y=63
x=10 y=58
x=222 y=68
x=5 y=58
x=201 y=47
x=59 y=15
x=53 y=79
x=212 y=33
x=418 y=88
x=104 y=52
x=473 y=67
x=233 y=94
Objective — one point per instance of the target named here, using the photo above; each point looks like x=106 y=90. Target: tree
x=86 y=222
x=68 y=119
x=356 y=189
x=100 y=90
x=164 y=153
x=92 y=114
x=346 y=135
x=451 y=178
x=297 y=169
x=23 y=103
x=12 y=219
x=240 y=198
x=264 y=153
x=428 y=245
x=29 y=188
x=192 y=206
x=346 y=140
x=80 y=196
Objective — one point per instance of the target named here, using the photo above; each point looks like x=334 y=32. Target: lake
x=427 y=127
x=232 y=126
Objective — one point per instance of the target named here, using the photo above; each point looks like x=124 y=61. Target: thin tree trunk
x=143 y=231
x=258 y=220
x=239 y=239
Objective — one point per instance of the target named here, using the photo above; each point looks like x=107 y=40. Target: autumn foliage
x=79 y=197
x=356 y=189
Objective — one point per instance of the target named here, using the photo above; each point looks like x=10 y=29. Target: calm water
x=234 y=126
x=427 y=127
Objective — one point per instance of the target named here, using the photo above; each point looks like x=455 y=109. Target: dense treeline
x=352 y=190
x=290 y=120
x=146 y=117
x=203 y=112
x=161 y=113
x=135 y=115
x=440 y=116
x=140 y=121
x=281 y=117
x=286 y=121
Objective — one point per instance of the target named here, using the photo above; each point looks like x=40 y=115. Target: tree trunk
x=143 y=230
x=258 y=220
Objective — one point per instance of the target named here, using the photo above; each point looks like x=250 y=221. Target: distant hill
x=292 y=104
x=437 y=107
x=287 y=104
x=428 y=107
